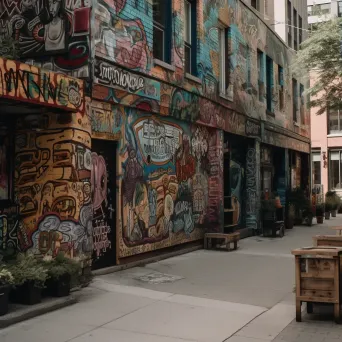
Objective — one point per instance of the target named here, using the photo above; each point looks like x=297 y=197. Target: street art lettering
x=106 y=120
x=100 y=237
x=9 y=223
x=253 y=128
x=27 y=83
x=113 y=76
x=157 y=139
x=251 y=189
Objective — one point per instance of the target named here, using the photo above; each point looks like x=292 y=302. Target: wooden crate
x=327 y=240
x=318 y=273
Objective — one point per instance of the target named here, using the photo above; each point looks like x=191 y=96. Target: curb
x=157 y=258
x=23 y=313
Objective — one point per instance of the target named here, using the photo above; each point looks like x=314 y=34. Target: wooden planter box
x=327 y=240
x=318 y=278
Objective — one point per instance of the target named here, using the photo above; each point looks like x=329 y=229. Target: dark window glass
x=161 y=29
x=269 y=83
x=294 y=99
x=190 y=36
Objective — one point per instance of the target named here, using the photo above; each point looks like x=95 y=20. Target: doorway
x=103 y=181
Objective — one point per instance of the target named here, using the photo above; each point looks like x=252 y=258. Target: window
x=335 y=121
x=162 y=30
x=269 y=83
x=316 y=167
x=289 y=24
x=340 y=8
x=255 y=4
x=335 y=169
x=281 y=87
x=261 y=75
x=294 y=99
x=295 y=30
x=224 y=61
x=300 y=29
x=190 y=36
x=302 y=103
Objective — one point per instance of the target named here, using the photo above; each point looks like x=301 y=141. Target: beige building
x=288 y=18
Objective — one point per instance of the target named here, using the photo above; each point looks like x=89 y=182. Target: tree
x=321 y=55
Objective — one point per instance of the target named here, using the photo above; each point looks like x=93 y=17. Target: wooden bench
x=338 y=230
x=222 y=240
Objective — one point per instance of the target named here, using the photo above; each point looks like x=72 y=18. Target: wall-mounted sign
x=253 y=128
x=115 y=77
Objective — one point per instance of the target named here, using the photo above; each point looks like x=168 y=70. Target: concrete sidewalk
x=204 y=296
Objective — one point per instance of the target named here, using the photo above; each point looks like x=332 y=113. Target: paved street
x=204 y=296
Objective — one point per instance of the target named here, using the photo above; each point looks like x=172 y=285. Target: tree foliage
x=320 y=55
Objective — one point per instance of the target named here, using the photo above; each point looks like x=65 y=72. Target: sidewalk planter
x=318 y=278
x=333 y=213
x=27 y=293
x=319 y=219
x=59 y=287
x=327 y=215
x=320 y=213
x=6 y=281
x=4 y=298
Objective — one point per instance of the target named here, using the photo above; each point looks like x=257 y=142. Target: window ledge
x=295 y=123
x=164 y=65
x=334 y=135
x=193 y=78
x=226 y=97
x=269 y=113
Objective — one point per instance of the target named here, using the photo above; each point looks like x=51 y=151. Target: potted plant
x=6 y=281
x=291 y=213
x=308 y=214
x=29 y=279
x=327 y=208
x=60 y=272
x=336 y=204
x=320 y=213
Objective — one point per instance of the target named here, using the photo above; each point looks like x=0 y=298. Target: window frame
x=261 y=73
x=281 y=87
x=269 y=83
x=295 y=30
x=300 y=30
x=192 y=45
x=224 y=60
x=289 y=23
x=339 y=130
x=331 y=187
x=319 y=168
x=166 y=30
x=295 y=100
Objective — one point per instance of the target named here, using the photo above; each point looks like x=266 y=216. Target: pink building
x=326 y=143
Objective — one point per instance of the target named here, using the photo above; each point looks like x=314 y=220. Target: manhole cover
x=159 y=278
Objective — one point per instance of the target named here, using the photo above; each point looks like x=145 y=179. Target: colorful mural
x=54 y=33
x=171 y=186
x=22 y=82
x=52 y=183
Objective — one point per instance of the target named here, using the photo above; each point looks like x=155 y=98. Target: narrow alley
x=204 y=296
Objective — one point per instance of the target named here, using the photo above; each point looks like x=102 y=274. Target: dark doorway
x=103 y=181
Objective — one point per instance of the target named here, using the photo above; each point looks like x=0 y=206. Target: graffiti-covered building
x=186 y=114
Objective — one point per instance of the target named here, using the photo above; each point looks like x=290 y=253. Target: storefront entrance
x=103 y=180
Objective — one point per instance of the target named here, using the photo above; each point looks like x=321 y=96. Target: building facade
x=326 y=130
x=191 y=115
